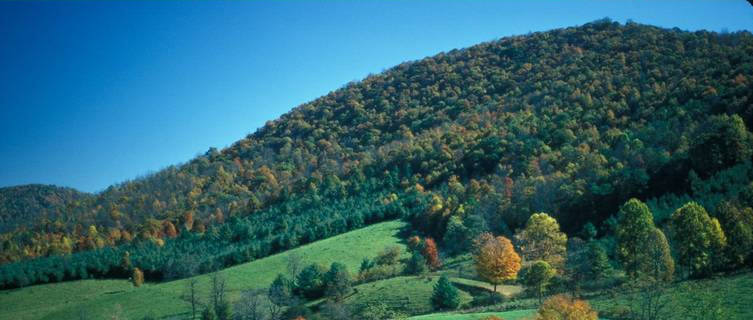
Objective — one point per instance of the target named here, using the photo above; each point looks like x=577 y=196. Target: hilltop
x=573 y=122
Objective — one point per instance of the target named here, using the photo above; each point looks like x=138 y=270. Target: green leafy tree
x=634 y=225
x=417 y=264
x=445 y=295
x=738 y=226
x=541 y=239
x=721 y=142
x=658 y=263
x=537 y=277
x=697 y=238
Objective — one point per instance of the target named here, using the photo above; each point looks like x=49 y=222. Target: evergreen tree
x=445 y=295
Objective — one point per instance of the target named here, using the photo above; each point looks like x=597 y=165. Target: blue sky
x=95 y=93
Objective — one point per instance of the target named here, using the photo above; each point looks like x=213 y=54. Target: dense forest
x=23 y=205
x=572 y=122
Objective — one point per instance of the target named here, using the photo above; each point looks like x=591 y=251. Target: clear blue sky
x=94 y=93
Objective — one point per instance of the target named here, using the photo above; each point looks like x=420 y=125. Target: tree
x=294 y=264
x=208 y=314
x=224 y=310
x=738 y=227
x=388 y=256
x=561 y=307
x=338 y=281
x=251 y=305
x=721 y=142
x=191 y=295
x=137 y=277
x=445 y=295
x=455 y=238
x=496 y=260
x=217 y=293
x=634 y=224
x=310 y=282
x=598 y=261
x=697 y=238
x=416 y=265
x=658 y=264
x=125 y=262
x=537 y=276
x=280 y=294
x=541 y=239
x=431 y=254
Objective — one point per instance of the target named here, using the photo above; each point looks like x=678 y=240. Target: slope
x=101 y=298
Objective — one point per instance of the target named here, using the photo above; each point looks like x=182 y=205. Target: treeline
x=573 y=121
x=237 y=240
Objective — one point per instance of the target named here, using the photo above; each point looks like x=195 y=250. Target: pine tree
x=445 y=295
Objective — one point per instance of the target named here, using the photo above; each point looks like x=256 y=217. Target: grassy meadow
x=103 y=298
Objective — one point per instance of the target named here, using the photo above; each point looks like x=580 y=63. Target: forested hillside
x=572 y=122
x=27 y=204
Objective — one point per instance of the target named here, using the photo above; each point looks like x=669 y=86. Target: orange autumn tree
x=431 y=254
x=496 y=259
x=562 y=307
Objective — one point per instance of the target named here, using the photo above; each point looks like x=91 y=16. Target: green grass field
x=507 y=315
x=409 y=295
x=727 y=297
x=102 y=298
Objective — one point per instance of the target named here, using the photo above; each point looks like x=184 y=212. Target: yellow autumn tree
x=562 y=307
x=137 y=277
x=496 y=259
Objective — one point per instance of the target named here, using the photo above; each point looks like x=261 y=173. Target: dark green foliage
x=634 y=225
x=208 y=314
x=224 y=310
x=738 y=227
x=417 y=264
x=337 y=281
x=445 y=295
x=537 y=277
x=29 y=204
x=598 y=261
x=697 y=239
x=366 y=264
x=280 y=292
x=310 y=283
x=720 y=142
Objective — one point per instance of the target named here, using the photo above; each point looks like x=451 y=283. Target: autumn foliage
x=496 y=260
x=431 y=254
x=562 y=307
x=137 y=277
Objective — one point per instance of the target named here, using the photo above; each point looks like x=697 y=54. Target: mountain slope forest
x=572 y=122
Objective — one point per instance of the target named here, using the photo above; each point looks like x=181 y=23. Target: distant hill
x=572 y=122
x=29 y=204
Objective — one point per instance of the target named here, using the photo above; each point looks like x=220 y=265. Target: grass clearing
x=409 y=294
x=730 y=296
x=507 y=315
x=103 y=298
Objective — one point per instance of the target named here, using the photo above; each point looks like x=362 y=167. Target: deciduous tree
x=541 y=239
x=496 y=260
